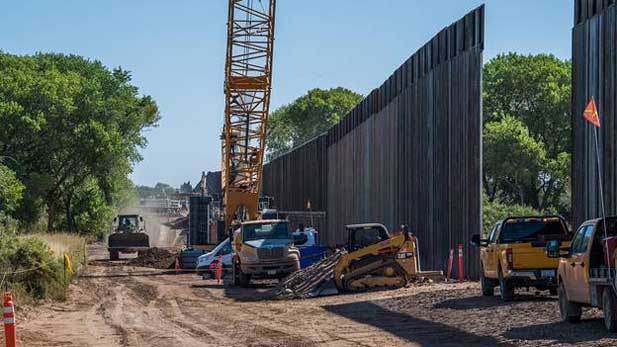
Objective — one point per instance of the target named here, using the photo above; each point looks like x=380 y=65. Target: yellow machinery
x=377 y=259
x=248 y=79
x=372 y=258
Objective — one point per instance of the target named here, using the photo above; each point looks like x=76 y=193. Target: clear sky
x=176 y=49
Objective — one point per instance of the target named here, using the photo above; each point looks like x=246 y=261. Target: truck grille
x=270 y=253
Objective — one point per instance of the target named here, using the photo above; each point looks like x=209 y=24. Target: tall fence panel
x=594 y=52
x=297 y=177
x=411 y=151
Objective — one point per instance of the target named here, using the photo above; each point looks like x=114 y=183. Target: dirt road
x=109 y=308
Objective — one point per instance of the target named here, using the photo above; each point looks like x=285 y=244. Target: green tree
x=70 y=122
x=535 y=90
x=11 y=190
x=160 y=190
x=306 y=117
x=513 y=159
x=495 y=210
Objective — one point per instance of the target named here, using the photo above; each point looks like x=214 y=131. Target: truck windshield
x=127 y=222
x=527 y=230
x=265 y=231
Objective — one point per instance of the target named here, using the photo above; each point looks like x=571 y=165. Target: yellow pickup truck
x=514 y=255
x=586 y=274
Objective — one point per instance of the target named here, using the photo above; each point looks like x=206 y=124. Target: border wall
x=410 y=152
x=594 y=47
x=299 y=176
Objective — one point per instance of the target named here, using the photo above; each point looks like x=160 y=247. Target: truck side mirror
x=115 y=219
x=553 y=249
x=476 y=241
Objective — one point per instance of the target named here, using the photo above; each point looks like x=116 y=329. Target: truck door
x=576 y=272
x=490 y=253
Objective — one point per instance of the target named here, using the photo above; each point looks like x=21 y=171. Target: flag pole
x=602 y=207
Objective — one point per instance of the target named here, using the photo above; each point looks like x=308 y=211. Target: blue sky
x=175 y=50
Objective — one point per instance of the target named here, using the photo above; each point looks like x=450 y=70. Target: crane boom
x=248 y=80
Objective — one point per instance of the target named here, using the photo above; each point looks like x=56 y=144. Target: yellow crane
x=248 y=80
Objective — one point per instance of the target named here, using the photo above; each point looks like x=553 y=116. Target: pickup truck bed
x=514 y=254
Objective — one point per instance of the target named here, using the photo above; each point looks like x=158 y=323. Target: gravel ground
x=150 y=309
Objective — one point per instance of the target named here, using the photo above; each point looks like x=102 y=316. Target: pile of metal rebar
x=309 y=281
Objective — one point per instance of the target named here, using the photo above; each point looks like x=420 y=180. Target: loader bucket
x=128 y=240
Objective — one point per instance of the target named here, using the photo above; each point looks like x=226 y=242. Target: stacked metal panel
x=410 y=152
x=199 y=219
x=594 y=49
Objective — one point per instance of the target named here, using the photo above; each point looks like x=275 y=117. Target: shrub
x=28 y=264
x=34 y=264
x=496 y=210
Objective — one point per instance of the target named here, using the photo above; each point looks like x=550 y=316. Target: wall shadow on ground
x=412 y=329
x=586 y=331
x=480 y=302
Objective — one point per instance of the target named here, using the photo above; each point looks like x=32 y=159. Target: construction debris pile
x=156 y=258
x=312 y=281
x=178 y=223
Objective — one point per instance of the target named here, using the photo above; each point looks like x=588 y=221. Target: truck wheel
x=609 y=310
x=235 y=281
x=506 y=289
x=487 y=285
x=569 y=311
x=245 y=280
x=114 y=255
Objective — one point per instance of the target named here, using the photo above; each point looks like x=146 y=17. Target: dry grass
x=71 y=244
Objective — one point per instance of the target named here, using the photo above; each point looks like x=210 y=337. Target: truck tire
x=235 y=280
x=487 y=284
x=506 y=289
x=114 y=255
x=569 y=311
x=245 y=280
x=609 y=310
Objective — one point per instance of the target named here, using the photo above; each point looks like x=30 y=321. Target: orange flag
x=591 y=113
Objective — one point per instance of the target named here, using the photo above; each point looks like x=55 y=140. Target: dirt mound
x=155 y=258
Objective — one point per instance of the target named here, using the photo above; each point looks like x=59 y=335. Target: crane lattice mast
x=248 y=80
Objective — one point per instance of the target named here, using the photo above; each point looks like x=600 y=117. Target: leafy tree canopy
x=306 y=117
x=160 y=190
x=72 y=125
x=11 y=190
x=527 y=139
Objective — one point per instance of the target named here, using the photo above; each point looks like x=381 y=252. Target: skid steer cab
x=128 y=235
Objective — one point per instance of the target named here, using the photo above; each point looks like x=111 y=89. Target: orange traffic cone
x=460 y=262
x=10 y=335
x=219 y=269
x=450 y=261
